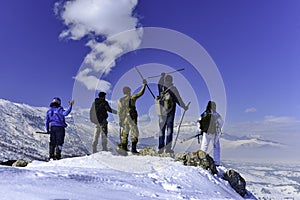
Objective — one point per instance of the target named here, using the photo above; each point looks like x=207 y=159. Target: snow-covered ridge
x=107 y=176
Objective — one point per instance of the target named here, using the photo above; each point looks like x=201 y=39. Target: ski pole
x=41 y=132
x=178 y=131
x=178 y=70
x=189 y=138
x=144 y=79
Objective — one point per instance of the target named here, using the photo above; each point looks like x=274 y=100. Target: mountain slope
x=19 y=122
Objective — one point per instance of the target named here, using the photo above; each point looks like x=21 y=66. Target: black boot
x=51 y=151
x=58 y=152
x=133 y=148
x=122 y=149
x=104 y=147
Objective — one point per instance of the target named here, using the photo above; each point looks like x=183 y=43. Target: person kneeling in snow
x=55 y=125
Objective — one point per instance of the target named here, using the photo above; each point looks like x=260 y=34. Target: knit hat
x=101 y=94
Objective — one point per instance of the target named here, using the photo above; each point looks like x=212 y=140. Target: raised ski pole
x=178 y=70
x=178 y=131
x=144 y=79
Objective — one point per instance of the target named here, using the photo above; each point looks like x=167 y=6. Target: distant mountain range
x=19 y=122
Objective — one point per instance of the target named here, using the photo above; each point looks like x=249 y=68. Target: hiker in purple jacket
x=55 y=125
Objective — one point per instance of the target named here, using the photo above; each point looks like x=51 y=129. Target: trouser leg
x=124 y=136
x=170 y=126
x=217 y=151
x=96 y=137
x=134 y=131
x=51 y=151
x=58 y=150
x=60 y=137
x=104 y=136
x=162 y=129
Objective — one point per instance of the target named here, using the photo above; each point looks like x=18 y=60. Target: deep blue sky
x=255 y=45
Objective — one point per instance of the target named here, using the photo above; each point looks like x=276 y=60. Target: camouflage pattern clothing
x=128 y=116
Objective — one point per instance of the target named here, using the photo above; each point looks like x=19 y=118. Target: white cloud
x=250 y=110
x=280 y=119
x=105 y=18
x=92 y=82
x=99 y=17
x=282 y=129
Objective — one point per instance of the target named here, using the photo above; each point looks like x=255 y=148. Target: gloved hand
x=71 y=102
x=144 y=81
x=186 y=107
x=163 y=74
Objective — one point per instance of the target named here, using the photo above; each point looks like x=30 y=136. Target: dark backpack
x=165 y=102
x=208 y=123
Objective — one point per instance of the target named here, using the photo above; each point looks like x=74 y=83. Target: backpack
x=164 y=103
x=208 y=123
x=98 y=112
x=93 y=116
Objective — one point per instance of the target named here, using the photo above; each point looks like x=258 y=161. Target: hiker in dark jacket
x=98 y=115
x=55 y=125
x=170 y=95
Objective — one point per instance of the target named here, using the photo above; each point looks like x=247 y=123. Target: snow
x=107 y=176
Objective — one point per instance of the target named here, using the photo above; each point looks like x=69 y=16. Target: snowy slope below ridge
x=19 y=122
x=106 y=176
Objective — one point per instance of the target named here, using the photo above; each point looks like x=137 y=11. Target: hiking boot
x=51 y=157
x=133 y=148
x=58 y=152
x=161 y=150
x=122 y=149
x=51 y=152
x=170 y=151
x=94 y=150
x=104 y=148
